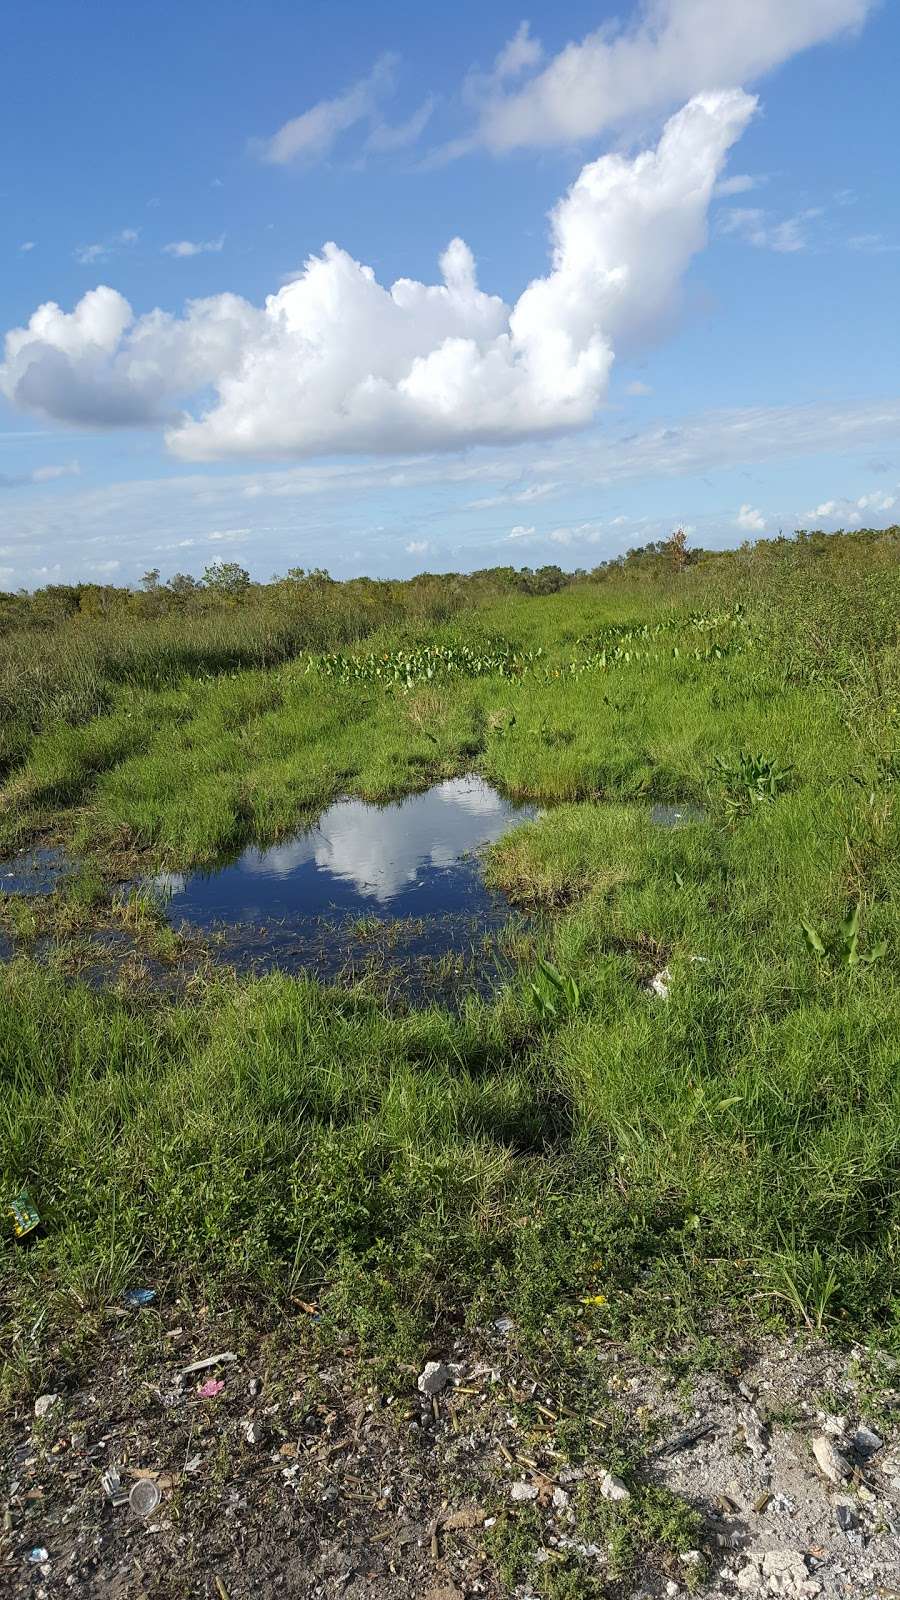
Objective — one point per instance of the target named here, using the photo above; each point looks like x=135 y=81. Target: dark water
x=394 y=892
x=396 y=887
x=409 y=859
x=33 y=872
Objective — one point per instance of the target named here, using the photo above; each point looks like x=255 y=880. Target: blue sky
x=714 y=343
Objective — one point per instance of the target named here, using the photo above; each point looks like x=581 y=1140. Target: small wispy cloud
x=86 y=254
x=183 y=248
x=386 y=137
x=416 y=547
x=313 y=135
x=28 y=245
x=515 y=497
x=872 y=244
x=637 y=388
x=520 y=531
x=740 y=183
x=48 y=474
x=755 y=227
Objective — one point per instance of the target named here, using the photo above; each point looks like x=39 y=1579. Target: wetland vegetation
x=681 y=1104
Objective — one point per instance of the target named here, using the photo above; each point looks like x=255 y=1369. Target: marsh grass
x=734 y=1148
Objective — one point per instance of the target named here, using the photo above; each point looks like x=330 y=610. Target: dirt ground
x=279 y=1472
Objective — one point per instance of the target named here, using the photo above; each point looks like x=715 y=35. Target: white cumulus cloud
x=751 y=520
x=673 y=49
x=878 y=500
x=335 y=361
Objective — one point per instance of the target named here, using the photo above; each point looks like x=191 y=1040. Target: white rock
x=612 y=1488
x=433 y=1378
x=777 y=1572
x=672 y=1587
x=831 y=1463
x=836 y=1426
x=788 y=1570
x=504 y=1326
x=523 y=1491
x=560 y=1500
x=44 y=1404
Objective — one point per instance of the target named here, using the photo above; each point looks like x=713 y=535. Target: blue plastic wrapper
x=138 y=1297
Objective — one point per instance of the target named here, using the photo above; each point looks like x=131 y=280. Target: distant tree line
x=227 y=584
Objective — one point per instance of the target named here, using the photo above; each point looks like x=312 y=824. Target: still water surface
x=396 y=887
x=410 y=859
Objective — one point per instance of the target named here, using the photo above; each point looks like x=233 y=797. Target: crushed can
x=24 y=1214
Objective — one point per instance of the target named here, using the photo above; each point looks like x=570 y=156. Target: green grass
x=733 y=1148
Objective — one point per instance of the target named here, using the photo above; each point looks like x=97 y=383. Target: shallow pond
x=395 y=892
x=398 y=885
x=33 y=872
x=413 y=858
x=665 y=814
